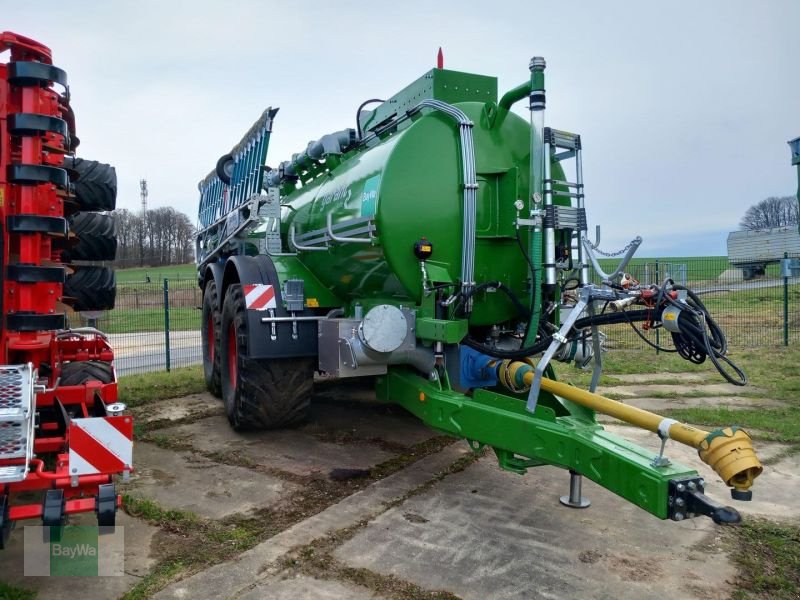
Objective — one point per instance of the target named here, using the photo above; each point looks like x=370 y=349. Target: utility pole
x=143 y=194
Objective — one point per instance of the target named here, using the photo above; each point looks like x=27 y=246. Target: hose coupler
x=537 y=96
x=537 y=63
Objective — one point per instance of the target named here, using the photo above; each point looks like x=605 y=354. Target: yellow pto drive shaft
x=728 y=451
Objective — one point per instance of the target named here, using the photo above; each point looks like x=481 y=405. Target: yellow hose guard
x=728 y=451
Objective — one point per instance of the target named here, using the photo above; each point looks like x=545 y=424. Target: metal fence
x=763 y=310
x=155 y=325
x=156 y=322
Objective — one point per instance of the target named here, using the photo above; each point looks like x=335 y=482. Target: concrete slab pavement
x=292 y=451
x=297 y=588
x=257 y=565
x=484 y=533
x=190 y=482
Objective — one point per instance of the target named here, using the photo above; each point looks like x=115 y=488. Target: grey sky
x=684 y=107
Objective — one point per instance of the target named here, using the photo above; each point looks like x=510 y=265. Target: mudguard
x=269 y=340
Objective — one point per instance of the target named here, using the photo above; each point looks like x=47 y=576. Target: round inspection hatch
x=384 y=328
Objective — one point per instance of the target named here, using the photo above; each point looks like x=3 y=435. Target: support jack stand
x=575 y=500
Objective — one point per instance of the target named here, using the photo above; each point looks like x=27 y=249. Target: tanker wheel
x=79 y=372
x=97 y=237
x=91 y=288
x=96 y=186
x=259 y=394
x=210 y=329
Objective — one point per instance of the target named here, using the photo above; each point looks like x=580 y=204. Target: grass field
x=140 y=274
x=698 y=268
x=149 y=319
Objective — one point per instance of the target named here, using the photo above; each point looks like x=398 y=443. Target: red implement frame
x=37 y=129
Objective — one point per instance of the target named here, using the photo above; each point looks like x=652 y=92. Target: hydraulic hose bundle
x=695 y=334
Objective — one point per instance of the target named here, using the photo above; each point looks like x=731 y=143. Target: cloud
x=684 y=108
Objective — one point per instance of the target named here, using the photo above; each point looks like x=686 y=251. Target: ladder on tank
x=562 y=146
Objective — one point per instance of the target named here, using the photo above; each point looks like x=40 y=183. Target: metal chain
x=611 y=254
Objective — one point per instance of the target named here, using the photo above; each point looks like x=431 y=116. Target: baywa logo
x=57 y=549
x=74 y=550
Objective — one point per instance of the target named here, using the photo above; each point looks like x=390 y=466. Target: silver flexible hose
x=470 y=188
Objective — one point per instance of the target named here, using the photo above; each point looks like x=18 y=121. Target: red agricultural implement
x=63 y=436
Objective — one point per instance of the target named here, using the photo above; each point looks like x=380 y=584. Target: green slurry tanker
x=441 y=247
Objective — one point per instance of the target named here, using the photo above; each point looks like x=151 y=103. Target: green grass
x=772 y=373
x=8 y=592
x=775 y=372
x=213 y=541
x=771 y=424
x=768 y=557
x=756 y=307
x=139 y=274
x=698 y=268
x=149 y=319
x=135 y=390
x=151 y=511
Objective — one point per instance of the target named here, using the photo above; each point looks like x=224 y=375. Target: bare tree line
x=163 y=236
x=772 y=212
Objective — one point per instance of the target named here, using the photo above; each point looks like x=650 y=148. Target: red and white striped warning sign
x=100 y=445
x=258 y=296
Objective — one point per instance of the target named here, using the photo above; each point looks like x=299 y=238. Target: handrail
x=345 y=240
x=302 y=248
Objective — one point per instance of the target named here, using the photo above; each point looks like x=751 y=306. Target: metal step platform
x=17 y=410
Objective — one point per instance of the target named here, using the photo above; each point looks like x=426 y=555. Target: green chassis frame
x=559 y=433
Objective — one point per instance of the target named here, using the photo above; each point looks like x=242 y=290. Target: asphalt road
x=146 y=352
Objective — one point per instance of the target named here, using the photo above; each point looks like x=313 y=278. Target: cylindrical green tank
x=411 y=183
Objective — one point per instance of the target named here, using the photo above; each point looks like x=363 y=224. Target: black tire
x=224 y=168
x=259 y=394
x=97 y=237
x=96 y=186
x=91 y=288
x=209 y=329
x=79 y=372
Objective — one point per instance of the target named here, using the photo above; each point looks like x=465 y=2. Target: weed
x=768 y=557
x=9 y=592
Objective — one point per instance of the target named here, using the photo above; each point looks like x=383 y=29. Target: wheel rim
x=232 y=356
x=210 y=334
